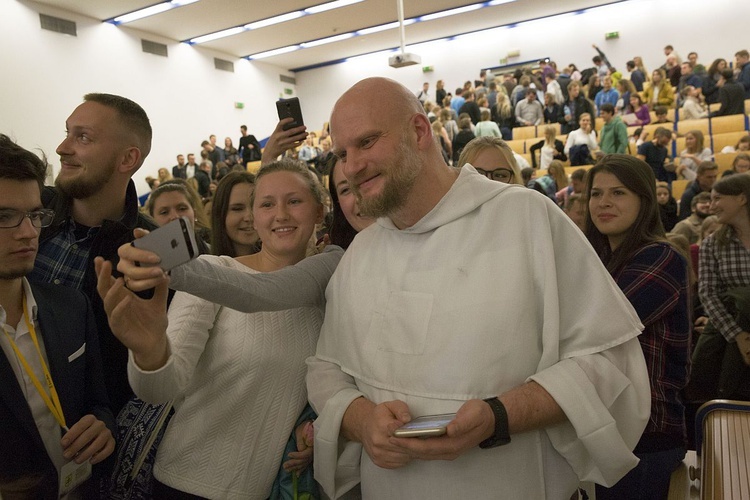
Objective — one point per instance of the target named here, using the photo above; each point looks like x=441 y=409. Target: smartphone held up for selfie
x=174 y=243
x=290 y=108
x=426 y=426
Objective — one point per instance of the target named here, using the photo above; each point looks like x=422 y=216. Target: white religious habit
x=492 y=288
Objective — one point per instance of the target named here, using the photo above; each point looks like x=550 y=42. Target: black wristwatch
x=501 y=435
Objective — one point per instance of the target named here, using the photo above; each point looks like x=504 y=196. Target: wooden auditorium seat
x=720 y=141
x=678 y=187
x=724 y=161
x=685 y=126
x=517 y=146
x=524 y=132
x=726 y=124
x=253 y=166
x=723 y=449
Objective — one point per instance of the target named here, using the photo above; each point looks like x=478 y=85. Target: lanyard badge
x=51 y=400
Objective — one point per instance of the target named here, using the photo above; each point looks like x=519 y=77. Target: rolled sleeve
x=607 y=400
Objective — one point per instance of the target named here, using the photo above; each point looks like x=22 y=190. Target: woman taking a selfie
x=238 y=379
x=624 y=228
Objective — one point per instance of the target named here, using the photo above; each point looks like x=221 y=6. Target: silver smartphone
x=426 y=426
x=174 y=243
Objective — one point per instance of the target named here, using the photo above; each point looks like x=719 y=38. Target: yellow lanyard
x=51 y=400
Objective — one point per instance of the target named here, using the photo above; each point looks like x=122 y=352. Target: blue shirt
x=606 y=96
x=456 y=103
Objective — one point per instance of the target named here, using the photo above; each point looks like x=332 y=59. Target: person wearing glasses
x=53 y=405
x=493 y=158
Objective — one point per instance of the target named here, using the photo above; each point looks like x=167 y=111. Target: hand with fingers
x=474 y=423
x=375 y=427
x=140 y=277
x=299 y=460
x=140 y=324
x=282 y=140
x=89 y=439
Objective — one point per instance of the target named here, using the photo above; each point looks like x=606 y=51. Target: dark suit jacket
x=179 y=172
x=66 y=323
x=732 y=99
x=111 y=235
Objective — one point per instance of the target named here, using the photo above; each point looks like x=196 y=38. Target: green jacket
x=614 y=138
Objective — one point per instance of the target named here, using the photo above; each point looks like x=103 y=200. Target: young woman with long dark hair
x=624 y=227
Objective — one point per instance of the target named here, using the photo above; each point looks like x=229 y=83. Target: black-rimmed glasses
x=499 y=174
x=10 y=218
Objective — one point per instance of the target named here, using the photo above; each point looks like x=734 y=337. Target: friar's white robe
x=492 y=288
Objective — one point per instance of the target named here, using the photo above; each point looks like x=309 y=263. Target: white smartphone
x=174 y=243
x=426 y=426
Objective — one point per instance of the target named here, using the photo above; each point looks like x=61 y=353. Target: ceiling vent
x=223 y=65
x=57 y=25
x=288 y=79
x=150 y=47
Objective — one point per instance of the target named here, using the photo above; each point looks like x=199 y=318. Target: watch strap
x=501 y=435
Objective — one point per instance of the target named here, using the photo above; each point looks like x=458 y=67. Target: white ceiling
x=208 y=16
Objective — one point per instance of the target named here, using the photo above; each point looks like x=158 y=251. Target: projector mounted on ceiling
x=405 y=59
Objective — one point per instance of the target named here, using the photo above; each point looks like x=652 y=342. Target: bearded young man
x=96 y=209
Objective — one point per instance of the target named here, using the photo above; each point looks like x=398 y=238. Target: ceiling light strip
x=149 y=11
x=387 y=26
x=263 y=23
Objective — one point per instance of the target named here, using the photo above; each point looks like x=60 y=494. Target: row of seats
x=717 y=125
x=723 y=160
x=716 y=142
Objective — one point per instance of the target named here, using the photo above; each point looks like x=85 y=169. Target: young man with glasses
x=55 y=416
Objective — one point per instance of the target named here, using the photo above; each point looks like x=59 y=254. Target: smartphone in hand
x=174 y=243
x=426 y=426
x=290 y=108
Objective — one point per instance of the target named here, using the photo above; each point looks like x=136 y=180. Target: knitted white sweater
x=239 y=385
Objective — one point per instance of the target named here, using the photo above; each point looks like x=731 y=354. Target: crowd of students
x=204 y=392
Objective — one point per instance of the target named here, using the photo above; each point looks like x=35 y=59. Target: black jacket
x=66 y=325
x=582 y=105
x=472 y=108
x=732 y=99
x=110 y=237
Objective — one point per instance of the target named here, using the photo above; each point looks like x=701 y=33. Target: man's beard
x=82 y=186
x=400 y=176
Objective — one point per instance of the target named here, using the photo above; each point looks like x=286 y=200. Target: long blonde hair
x=502 y=107
x=550 y=134
x=556 y=170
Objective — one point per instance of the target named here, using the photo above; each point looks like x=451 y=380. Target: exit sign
x=611 y=35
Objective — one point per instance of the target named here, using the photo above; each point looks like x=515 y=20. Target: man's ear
x=423 y=129
x=130 y=160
